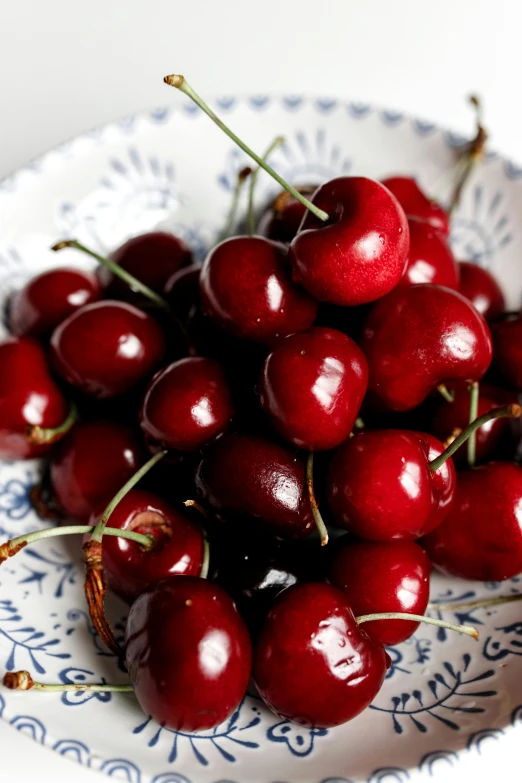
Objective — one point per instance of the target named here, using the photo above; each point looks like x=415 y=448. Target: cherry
x=381 y=487
x=28 y=398
x=507 y=350
x=177 y=548
x=105 y=348
x=312 y=664
x=48 y=298
x=250 y=478
x=360 y=253
x=187 y=404
x=91 y=464
x=383 y=577
x=281 y=219
x=188 y=654
x=246 y=287
x=430 y=259
x=416 y=204
x=312 y=387
x=481 y=538
x=480 y=287
x=152 y=258
x=419 y=337
x=183 y=293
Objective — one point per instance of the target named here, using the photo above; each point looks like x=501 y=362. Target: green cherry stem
x=445 y=392
x=40 y=436
x=178 y=81
x=478 y=604
x=474 y=392
x=22 y=681
x=470 y=630
x=231 y=217
x=505 y=412
x=253 y=181
x=319 y=522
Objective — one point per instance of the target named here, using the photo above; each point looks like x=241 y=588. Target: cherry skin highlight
x=188 y=654
x=250 y=478
x=507 y=351
x=187 y=404
x=416 y=204
x=481 y=538
x=313 y=665
x=177 y=548
x=91 y=464
x=383 y=577
x=360 y=253
x=106 y=348
x=48 y=298
x=28 y=397
x=312 y=387
x=480 y=287
x=419 y=337
x=430 y=259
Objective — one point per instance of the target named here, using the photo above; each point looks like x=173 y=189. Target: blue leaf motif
x=300 y=740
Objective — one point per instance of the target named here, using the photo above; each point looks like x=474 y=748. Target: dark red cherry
x=281 y=220
x=177 y=549
x=254 y=479
x=152 y=258
x=106 y=348
x=430 y=259
x=416 y=204
x=91 y=464
x=383 y=577
x=480 y=287
x=381 y=488
x=312 y=387
x=188 y=654
x=418 y=337
x=187 y=404
x=182 y=292
x=481 y=538
x=360 y=253
x=507 y=350
x=313 y=665
x=246 y=287
x=28 y=397
x=47 y=299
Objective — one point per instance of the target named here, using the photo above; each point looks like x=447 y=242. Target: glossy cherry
x=481 y=537
x=430 y=259
x=507 y=350
x=177 y=548
x=480 y=287
x=312 y=387
x=152 y=258
x=104 y=349
x=416 y=204
x=48 y=298
x=91 y=464
x=359 y=254
x=188 y=654
x=419 y=337
x=250 y=478
x=28 y=397
x=281 y=220
x=246 y=287
x=187 y=404
x=313 y=664
x=381 y=488
x=182 y=292
x=383 y=577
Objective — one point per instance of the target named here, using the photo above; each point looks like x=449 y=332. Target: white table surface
x=66 y=67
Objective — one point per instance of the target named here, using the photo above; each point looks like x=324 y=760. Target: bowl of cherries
x=260 y=481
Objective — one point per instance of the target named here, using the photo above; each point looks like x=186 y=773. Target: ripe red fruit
x=430 y=259
x=416 y=204
x=480 y=287
x=281 y=220
x=507 y=350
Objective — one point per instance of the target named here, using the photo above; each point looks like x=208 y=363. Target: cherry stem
x=319 y=522
x=22 y=681
x=99 y=530
x=505 y=412
x=473 y=154
x=13 y=546
x=470 y=630
x=231 y=218
x=474 y=392
x=206 y=548
x=178 y=81
x=478 y=604
x=445 y=392
x=251 y=212
x=41 y=436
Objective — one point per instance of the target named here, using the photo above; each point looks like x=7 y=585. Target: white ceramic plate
x=444 y=696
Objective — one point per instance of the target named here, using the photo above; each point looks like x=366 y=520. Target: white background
x=68 y=66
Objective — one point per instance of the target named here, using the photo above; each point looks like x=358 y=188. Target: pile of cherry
x=342 y=328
